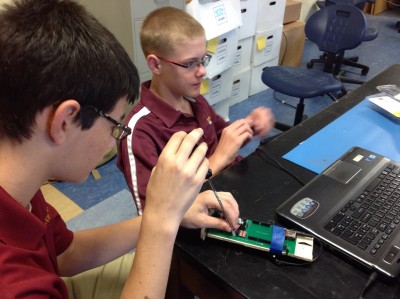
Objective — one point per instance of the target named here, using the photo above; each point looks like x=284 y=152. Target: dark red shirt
x=153 y=122
x=29 y=245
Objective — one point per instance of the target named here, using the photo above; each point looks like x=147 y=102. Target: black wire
x=260 y=151
x=286 y=47
x=263 y=154
x=280 y=262
x=371 y=279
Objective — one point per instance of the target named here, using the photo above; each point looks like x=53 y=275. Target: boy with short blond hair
x=164 y=29
x=174 y=44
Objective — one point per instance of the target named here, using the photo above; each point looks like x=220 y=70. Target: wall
x=116 y=16
x=307 y=8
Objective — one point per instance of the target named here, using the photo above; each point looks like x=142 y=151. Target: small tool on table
x=208 y=177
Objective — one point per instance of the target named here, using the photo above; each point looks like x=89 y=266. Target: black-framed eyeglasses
x=191 y=65
x=119 y=131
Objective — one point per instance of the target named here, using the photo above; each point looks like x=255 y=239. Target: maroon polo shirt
x=153 y=122
x=29 y=245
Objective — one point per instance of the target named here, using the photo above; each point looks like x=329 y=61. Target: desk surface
x=259 y=187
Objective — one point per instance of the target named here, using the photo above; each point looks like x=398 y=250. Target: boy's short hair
x=54 y=50
x=164 y=29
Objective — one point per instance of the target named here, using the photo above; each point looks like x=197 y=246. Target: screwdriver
x=208 y=176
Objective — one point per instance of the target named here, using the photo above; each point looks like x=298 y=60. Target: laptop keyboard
x=368 y=220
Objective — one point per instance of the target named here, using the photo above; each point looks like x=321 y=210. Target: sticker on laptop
x=304 y=208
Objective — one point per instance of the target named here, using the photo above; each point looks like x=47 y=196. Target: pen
x=209 y=174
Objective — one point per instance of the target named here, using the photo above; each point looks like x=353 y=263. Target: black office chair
x=370 y=34
x=334 y=29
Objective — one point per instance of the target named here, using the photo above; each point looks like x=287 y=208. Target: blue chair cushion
x=301 y=83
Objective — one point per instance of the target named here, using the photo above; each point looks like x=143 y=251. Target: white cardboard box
x=216 y=16
x=217 y=88
x=270 y=14
x=266 y=45
x=248 y=10
x=256 y=85
x=222 y=50
x=222 y=109
x=242 y=59
x=240 y=87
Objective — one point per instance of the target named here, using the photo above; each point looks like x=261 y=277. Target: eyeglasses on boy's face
x=191 y=65
x=119 y=131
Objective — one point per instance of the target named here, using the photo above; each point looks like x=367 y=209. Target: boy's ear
x=63 y=120
x=154 y=63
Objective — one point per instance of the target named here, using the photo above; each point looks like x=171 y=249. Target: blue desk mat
x=360 y=126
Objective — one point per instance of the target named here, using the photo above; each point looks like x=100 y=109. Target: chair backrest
x=336 y=28
x=358 y=3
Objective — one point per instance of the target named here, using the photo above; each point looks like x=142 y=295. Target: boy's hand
x=177 y=178
x=261 y=121
x=232 y=139
x=198 y=214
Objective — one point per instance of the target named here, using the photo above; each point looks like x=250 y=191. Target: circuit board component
x=267 y=237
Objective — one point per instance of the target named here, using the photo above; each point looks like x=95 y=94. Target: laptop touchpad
x=342 y=171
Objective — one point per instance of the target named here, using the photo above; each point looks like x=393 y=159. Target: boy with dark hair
x=64 y=84
x=174 y=45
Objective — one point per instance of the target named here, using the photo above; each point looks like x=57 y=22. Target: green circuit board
x=259 y=235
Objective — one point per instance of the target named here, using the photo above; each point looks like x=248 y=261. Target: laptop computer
x=354 y=207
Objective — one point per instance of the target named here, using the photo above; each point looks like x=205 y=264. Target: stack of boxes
x=243 y=37
x=293 y=38
x=242 y=64
x=221 y=21
x=267 y=41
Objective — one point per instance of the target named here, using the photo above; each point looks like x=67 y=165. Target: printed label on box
x=218 y=87
x=269 y=46
x=238 y=57
x=224 y=48
x=215 y=87
x=220 y=14
x=236 y=88
x=222 y=54
x=242 y=59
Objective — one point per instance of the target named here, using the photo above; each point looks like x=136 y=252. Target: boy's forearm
x=217 y=163
x=94 y=247
x=149 y=275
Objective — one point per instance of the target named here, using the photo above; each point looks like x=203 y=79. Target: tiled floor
x=64 y=205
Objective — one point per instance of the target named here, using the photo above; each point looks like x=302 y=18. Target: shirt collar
x=20 y=227
x=167 y=114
